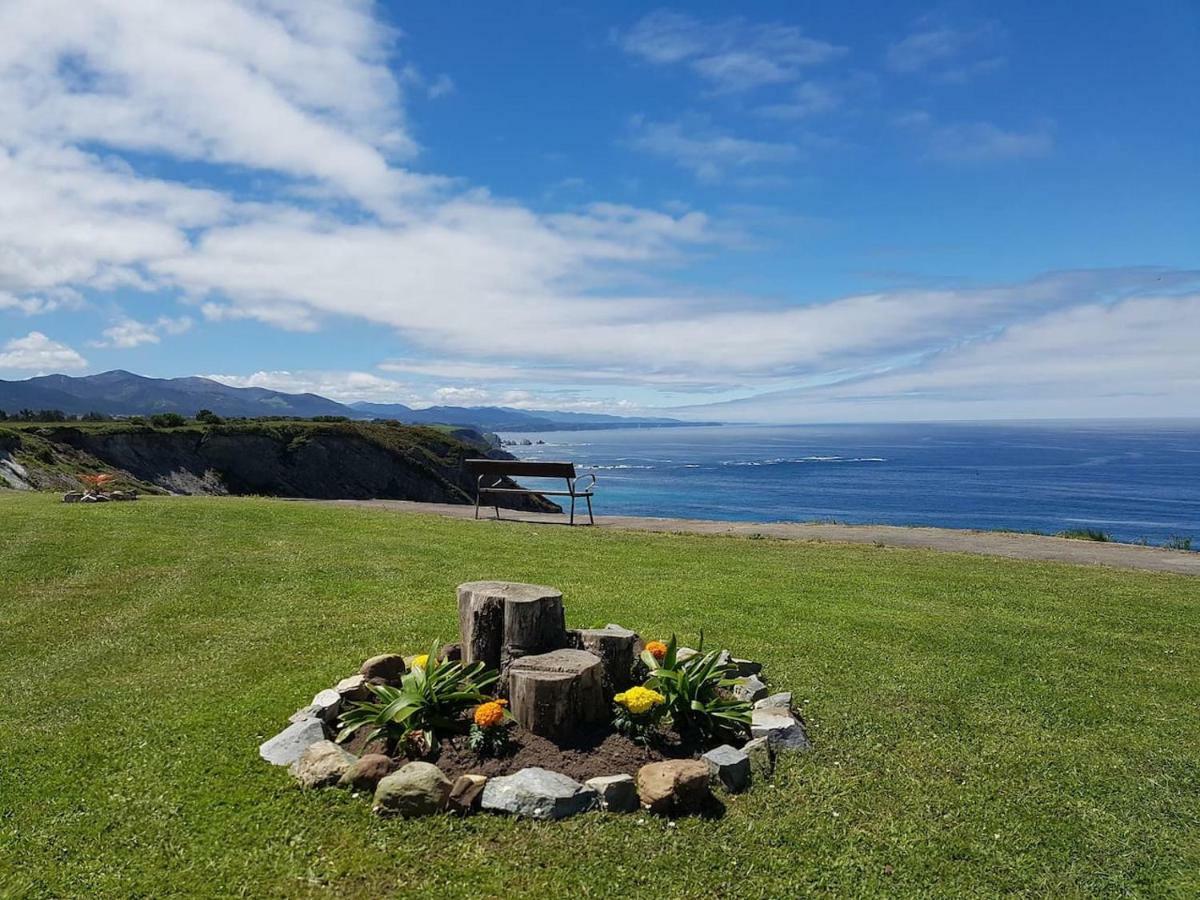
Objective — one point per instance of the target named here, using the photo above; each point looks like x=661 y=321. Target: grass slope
x=982 y=726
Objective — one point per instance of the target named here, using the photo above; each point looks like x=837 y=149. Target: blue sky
x=772 y=212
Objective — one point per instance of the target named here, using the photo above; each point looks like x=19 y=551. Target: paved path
x=987 y=543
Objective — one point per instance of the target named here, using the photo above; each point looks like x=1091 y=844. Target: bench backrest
x=528 y=468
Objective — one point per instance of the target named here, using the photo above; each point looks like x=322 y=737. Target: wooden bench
x=496 y=469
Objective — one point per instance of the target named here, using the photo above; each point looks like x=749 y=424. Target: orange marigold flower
x=490 y=714
x=657 y=649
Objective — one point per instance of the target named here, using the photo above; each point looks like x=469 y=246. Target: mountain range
x=121 y=393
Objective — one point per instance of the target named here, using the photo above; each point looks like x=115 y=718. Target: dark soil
x=586 y=754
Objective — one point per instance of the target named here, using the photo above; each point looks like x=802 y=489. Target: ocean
x=1134 y=480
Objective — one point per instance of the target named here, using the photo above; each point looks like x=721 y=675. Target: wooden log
x=552 y=693
x=502 y=620
x=618 y=649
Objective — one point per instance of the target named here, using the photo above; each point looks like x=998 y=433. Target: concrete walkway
x=986 y=543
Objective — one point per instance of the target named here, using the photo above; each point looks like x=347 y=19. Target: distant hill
x=121 y=393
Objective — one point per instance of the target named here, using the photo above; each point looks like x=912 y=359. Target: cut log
x=502 y=620
x=618 y=648
x=552 y=693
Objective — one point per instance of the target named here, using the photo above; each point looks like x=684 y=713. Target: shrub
x=167 y=420
x=1086 y=534
x=1178 y=542
x=208 y=417
x=697 y=694
x=429 y=702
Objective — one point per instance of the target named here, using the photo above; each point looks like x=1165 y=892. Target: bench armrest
x=575 y=483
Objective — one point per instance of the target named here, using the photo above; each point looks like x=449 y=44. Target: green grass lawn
x=982 y=726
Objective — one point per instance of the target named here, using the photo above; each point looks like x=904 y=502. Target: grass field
x=982 y=726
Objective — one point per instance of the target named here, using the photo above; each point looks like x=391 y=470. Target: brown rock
x=365 y=773
x=466 y=794
x=387 y=666
x=674 y=787
x=321 y=764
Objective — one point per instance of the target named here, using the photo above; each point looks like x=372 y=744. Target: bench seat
x=497 y=469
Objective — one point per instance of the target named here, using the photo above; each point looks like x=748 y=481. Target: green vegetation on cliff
x=982 y=726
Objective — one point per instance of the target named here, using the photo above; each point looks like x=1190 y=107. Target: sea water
x=1133 y=480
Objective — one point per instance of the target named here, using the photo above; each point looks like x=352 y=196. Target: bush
x=167 y=420
x=429 y=702
x=208 y=417
x=1086 y=534
x=697 y=695
x=1178 y=542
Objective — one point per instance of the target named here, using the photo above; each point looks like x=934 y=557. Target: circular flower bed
x=595 y=720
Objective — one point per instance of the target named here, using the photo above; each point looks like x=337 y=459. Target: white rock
x=287 y=746
x=780 y=728
x=782 y=700
x=616 y=793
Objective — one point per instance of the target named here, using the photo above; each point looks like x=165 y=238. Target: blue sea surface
x=1134 y=480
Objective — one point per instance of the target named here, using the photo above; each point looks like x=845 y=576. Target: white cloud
x=706 y=152
x=977 y=142
x=129 y=333
x=38 y=353
x=731 y=55
x=342 y=386
x=808 y=99
x=939 y=47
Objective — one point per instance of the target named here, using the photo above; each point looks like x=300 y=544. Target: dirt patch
x=588 y=754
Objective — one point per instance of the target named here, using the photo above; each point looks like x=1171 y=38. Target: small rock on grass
x=389 y=667
x=746 y=667
x=674 y=786
x=418 y=789
x=762 y=758
x=285 y=748
x=750 y=689
x=466 y=794
x=353 y=688
x=782 y=701
x=537 y=793
x=728 y=767
x=322 y=764
x=780 y=728
x=616 y=793
x=366 y=772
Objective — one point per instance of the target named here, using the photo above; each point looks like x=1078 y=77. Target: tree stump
x=552 y=693
x=618 y=649
x=499 y=621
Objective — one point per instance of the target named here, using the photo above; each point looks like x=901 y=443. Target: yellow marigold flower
x=491 y=713
x=657 y=649
x=420 y=661
x=640 y=700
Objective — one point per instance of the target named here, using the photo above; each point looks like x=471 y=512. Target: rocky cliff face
x=312 y=460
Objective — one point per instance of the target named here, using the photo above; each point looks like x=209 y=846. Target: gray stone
x=550 y=694
x=366 y=772
x=328 y=703
x=762 y=758
x=321 y=764
x=72 y=496
x=285 y=748
x=618 y=649
x=674 y=787
x=750 y=689
x=418 y=789
x=538 y=794
x=353 y=688
x=684 y=653
x=780 y=728
x=388 y=667
x=746 y=667
x=729 y=767
x=782 y=700
x=466 y=794
x=305 y=712
x=616 y=793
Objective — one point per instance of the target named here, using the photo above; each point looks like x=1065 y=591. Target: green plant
x=637 y=712
x=429 y=700
x=489 y=734
x=697 y=694
x=167 y=420
x=1178 y=542
x=1086 y=534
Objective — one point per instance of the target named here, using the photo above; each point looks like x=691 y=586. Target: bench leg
x=591 y=518
x=572 y=509
x=477 y=504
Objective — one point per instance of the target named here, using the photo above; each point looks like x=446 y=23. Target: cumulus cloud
x=731 y=55
x=343 y=386
x=129 y=333
x=37 y=353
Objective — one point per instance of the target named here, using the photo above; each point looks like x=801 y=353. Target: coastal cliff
x=321 y=460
